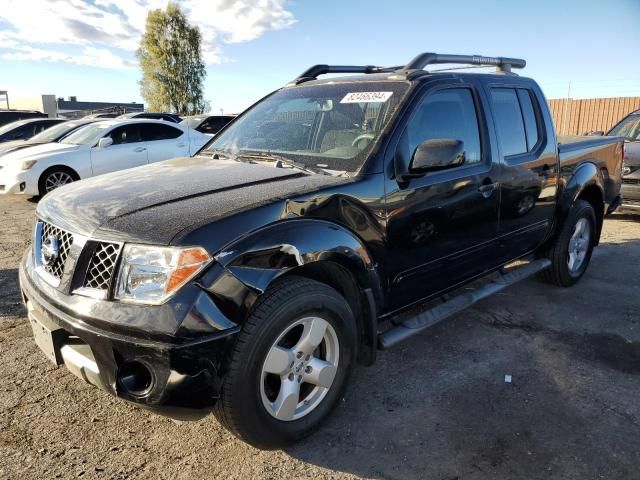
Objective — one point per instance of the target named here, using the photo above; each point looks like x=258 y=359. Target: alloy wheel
x=299 y=369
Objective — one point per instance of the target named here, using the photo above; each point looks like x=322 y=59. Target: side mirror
x=104 y=142
x=596 y=133
x=437 y=154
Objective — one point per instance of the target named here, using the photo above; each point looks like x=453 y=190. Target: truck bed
x=604 y=152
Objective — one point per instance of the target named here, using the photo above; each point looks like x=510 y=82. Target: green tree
x=171 y=61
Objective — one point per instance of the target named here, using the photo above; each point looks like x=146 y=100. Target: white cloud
x=107 y=32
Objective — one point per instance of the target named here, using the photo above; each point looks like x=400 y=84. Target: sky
x=85 y=48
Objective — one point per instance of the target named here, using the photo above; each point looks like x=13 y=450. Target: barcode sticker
x=366 y=97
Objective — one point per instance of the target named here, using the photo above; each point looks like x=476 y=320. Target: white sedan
x=95 y=149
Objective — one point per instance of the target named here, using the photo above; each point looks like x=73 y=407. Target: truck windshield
x=329 y=126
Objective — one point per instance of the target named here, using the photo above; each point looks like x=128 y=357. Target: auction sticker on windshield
x=366 y=97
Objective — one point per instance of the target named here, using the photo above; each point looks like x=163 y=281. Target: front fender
x=246 y=268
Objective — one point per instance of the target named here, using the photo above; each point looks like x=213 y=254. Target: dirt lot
x=437 y=407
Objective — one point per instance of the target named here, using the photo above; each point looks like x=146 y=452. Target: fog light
x=23 y=185
x=135 y=379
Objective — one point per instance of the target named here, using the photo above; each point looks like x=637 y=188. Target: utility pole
x=566 y=107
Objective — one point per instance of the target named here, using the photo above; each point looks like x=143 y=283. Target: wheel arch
x=311 y=248
x=55 y=167
x=586 y=183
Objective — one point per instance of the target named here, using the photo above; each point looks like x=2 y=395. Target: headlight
x=152 y=274
x=27 y=164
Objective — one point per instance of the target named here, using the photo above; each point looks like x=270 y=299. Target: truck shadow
x=439 y=407
x=10 y=300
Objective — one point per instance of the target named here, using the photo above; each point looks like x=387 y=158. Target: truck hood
x=152 y=203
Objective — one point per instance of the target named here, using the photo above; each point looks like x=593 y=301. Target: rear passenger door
x=164 y=141
x=529 y=178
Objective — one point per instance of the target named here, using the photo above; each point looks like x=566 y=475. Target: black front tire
x=240 y=408
x=558 y=252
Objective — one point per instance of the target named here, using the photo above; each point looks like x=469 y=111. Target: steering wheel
x=364 y=136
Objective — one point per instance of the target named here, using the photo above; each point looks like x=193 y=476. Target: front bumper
x=179 y=378
x=12 y=183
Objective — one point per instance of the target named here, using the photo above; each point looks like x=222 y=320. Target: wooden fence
x=575 y=117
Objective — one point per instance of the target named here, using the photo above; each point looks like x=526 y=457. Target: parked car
x=168 y=117
x=25 y=129
x=252 y=278
x=208 y=124
x=95 y=149
x=629 y=128
x=8 y=116
x=52 y=134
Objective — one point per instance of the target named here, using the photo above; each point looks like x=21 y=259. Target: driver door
x=127 y=151
x=442 y=226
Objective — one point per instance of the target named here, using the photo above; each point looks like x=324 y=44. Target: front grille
x=102 y=266
x=55 y=267
x=631 y=181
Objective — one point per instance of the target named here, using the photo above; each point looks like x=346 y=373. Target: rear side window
x=509 y=122
x=126 y=134
x=156 y=131
x=529 y=116
x=515 y=119
x=449 y=114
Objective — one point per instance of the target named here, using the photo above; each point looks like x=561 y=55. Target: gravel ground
x=436 y=407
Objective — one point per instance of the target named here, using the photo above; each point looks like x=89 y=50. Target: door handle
x=139 y=149
x=487 y=188
x=181 y=144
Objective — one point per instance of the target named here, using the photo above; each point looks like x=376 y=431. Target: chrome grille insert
x=102 y=266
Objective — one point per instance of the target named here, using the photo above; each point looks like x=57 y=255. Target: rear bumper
x=179 y=379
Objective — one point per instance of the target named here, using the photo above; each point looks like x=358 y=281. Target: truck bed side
x=605 y=153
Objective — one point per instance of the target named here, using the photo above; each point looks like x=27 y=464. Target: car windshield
x=54 y=133
x=628 y=128
x=333 y=126
x=10 y=126
x=192 y=122
x=87 y=135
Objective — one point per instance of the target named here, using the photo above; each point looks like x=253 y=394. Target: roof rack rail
x=313 y=72
x=504 y=64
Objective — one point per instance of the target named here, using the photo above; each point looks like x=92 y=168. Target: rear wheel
x=290 y=364
x=571 y=252
x=55 y=177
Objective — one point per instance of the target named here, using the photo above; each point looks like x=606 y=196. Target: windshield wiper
x=283 y=160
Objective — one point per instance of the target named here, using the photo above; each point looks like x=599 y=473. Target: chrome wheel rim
x=299 y=369
x=57 y=179
x=579 y=245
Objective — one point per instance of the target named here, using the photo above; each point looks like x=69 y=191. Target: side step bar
x=432 y=316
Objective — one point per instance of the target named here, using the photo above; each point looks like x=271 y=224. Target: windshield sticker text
x=366 y=97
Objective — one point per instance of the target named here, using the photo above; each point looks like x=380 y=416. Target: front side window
x=447 y=114
x=126 y=134
x=328 y=126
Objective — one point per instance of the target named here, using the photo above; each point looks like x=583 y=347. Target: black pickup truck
x=333 y=218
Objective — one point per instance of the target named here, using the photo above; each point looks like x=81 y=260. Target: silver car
x=629 y=128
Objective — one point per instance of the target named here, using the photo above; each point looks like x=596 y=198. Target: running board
x=432 y=316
